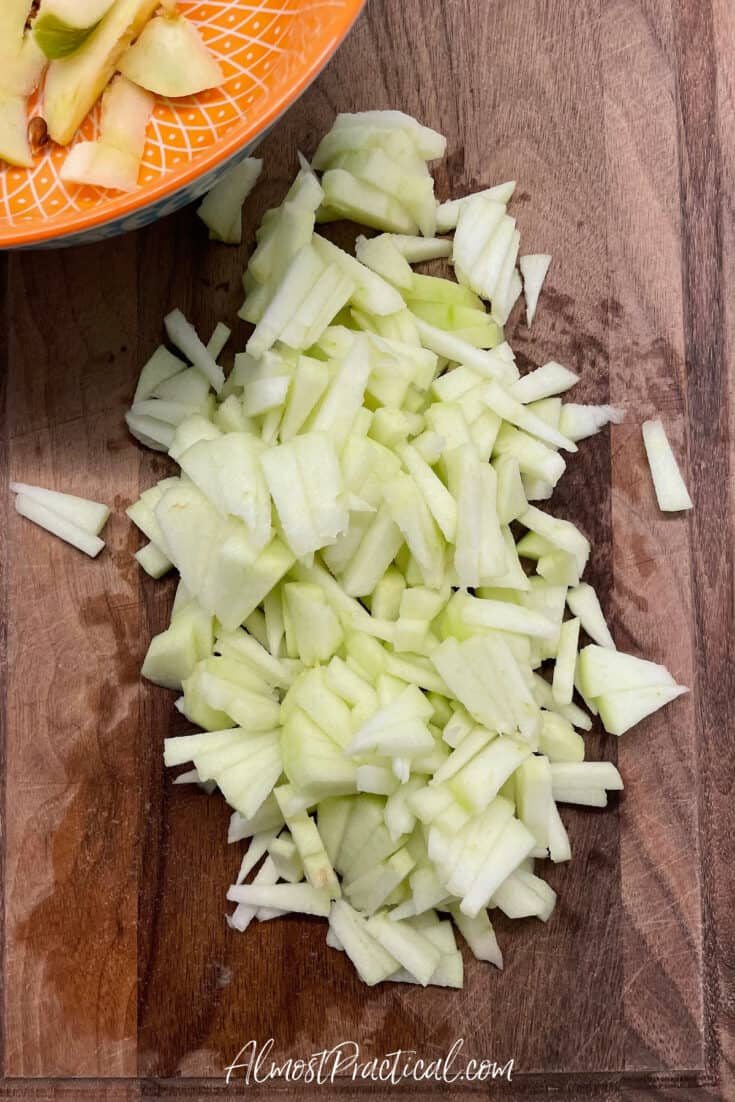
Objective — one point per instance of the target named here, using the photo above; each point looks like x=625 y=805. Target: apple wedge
x=114 y=160
x=126 y=111
x=21 y=67
x=21 y=71
x=73 y=84
x=171 y=59
x=14 y=145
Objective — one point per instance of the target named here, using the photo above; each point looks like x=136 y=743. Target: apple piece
x=371 y=961
x=416 y=250
x=216 y=343
x=447 y=214
x=113 y=161
x=78 y=15
x=58 y=525
x=487 y=363
x=221 y=208
x=619 y=711
x=509 y=285
x=361 y=201
x=671 y=492
x=14 y=145
x=479 y=935
x=21 y=71
x=126 y=111
x=301 y=898
x=381 y=255
x=601 y=671
x=566 y=661
x=401 y=137
x=183 y=334
x=524 y=895
x=509 y=409
x=100 y=165
x=578 y=422
x=21 y=66
x=170 y=59
x=161 y=366
x=73 y=84
x=544 y=382
x=90 y=516
x=409 y=180
x=149 y=431
x=62 y=26
x=584 y=603
x=153 y=561
x=534 y=267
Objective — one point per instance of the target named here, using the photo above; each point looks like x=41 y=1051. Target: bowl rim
x=218 y=154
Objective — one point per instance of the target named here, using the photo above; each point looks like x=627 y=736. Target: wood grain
x=660 y=860
x=618 y=119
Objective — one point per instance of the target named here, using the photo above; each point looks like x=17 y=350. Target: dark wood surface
x=120 y=979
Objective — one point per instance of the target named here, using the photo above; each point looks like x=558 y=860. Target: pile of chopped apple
x=72 y=49
x=377 y=629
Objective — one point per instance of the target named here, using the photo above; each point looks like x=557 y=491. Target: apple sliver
x=534 y=267
x=33 y=510
x=671 y=492
x=90 y=516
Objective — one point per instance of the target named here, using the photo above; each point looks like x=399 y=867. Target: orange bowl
x=269 y=50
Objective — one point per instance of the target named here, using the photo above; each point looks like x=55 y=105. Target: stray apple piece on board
x=671 y=492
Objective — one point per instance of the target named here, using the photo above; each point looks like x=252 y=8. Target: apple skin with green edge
x=77 y=15
x=62 y=26
x=58 y=39
x=75 y=83
x=170 y=59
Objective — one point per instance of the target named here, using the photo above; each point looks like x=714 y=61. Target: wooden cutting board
x=120 y=978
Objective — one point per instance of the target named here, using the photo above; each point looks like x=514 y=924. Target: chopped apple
x=619 y=711
x=533 y=269
x=602 y=671
x=90 y=516
x=73 y=84
x=77 y=14
x=671 y=492
x=368 y=446
x=221 y=208
x=578 y=422
x=171 y=59
x=58 y=525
